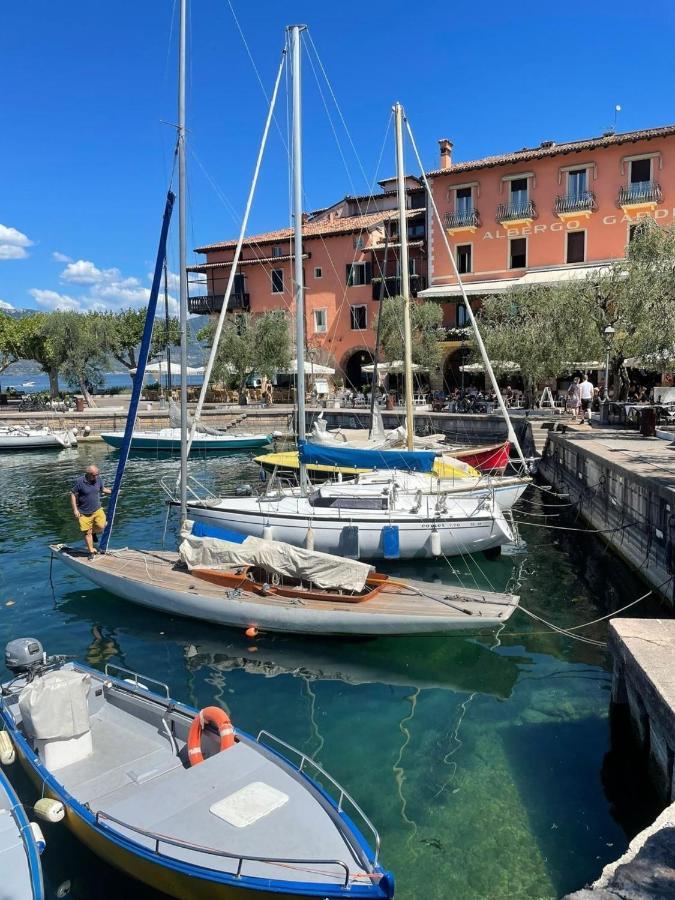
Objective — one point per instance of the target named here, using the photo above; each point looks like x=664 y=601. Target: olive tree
x=425 y=327
x=250 y=344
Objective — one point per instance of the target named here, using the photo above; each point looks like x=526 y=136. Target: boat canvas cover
x=346 y=457
x=54 y=706
x=320 y=569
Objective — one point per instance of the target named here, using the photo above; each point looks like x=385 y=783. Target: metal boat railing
x=342 y=793
x=168 y=485
x=135 y=676
x=103 y=817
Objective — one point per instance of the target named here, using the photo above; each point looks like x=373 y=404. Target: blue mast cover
x=143 y=354
x=354 y=458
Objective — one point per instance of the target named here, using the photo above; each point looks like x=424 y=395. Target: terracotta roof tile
x=554 y=149
x=312 y=230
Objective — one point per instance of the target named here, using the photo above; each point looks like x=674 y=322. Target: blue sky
x=85 y=156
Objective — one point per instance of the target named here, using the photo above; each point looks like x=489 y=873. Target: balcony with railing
x=640 y=194
x=580 y=203
x=516 y=213
x=213 y=303
x=462 y=220
x=392 y=286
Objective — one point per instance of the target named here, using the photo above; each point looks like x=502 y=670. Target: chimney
x=446 y=153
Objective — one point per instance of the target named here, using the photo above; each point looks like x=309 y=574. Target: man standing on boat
x=85 y=499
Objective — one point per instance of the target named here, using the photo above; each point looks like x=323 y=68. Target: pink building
x=534 y=216
x=344 y=248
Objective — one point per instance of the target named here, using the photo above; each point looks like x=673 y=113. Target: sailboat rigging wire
x=237 y=254
x=479 y=340
x=337 y=105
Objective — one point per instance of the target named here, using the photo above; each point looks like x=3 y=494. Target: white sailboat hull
x=35 y=439
x=149 y=579
x=471 y=527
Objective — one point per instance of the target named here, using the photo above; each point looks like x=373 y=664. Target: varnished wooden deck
x=401 y=598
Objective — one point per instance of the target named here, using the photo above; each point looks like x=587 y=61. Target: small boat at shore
x=27 y=437
x=169 y=440
x=20 y=846
x=180 y=798
x=245 y=582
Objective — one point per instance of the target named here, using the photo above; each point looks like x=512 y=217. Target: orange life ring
x=212 y=715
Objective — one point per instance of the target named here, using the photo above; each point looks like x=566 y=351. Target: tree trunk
x=88 y=399
x=53 y=382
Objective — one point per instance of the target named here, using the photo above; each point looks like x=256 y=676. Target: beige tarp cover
x=54 y=706
x=320 y=569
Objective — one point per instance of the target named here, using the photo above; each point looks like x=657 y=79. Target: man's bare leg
x=89 y=540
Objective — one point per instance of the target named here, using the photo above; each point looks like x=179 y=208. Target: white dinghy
x=27 y=437
x=179 y=798
x=21 y=844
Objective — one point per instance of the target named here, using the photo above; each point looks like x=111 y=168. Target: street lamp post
x=609 y=337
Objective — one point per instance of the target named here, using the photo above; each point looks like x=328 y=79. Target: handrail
x=507 y=211
x=640 y=192
x=136 y=676
x=582 y=200
x=241 y=858
x=344 y=795
x=168 y=484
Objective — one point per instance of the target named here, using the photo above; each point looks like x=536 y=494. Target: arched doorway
x=352 y=366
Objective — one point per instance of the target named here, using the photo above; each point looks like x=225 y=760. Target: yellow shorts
x=97 y=518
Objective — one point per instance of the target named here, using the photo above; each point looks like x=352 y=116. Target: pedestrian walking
x=85 y=499
x=586 y=392
x=573 y=398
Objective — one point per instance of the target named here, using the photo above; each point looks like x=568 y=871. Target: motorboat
x=29 y=437
x=21 y=844
x=223 y=577
x=181 y=799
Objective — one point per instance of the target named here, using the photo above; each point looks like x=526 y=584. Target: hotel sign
x=575 y=224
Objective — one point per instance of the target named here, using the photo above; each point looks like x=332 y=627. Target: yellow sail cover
x=444 y=466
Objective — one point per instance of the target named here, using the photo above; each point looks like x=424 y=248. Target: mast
x=513 y=438
x=405 y=279
x=182 y=237
x=167 y=330
x=295 y=31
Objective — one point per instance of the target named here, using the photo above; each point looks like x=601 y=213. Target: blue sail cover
x=354 y=458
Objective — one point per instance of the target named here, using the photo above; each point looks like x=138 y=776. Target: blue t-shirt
x=88 y=494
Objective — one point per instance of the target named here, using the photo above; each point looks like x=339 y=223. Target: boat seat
x=121 y=756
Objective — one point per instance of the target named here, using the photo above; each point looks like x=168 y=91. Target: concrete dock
x=624 y=487
x=644 y=683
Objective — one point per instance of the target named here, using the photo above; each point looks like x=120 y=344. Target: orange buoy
x=251 y=631
x=212 y=715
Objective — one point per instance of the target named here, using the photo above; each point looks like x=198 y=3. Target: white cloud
x=61 y=257
x=85 y=272
x=13 y=243
x=5 y=305
x=54 y=300
x=100 y=289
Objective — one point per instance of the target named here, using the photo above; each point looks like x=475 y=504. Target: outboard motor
x=24 y=655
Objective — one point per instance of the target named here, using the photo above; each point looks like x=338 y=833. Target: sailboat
x=369 y=521
x=273 y=586
x=29 y=437
x=168 y=440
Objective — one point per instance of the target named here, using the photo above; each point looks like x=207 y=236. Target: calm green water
x=478 y=758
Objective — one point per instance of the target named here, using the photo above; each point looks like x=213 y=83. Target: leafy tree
x=9 y=341
x=545 y=328
x=125 y=330
x=32 y=343
x=426 y=331
x=78 y=344
x=250 y=344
